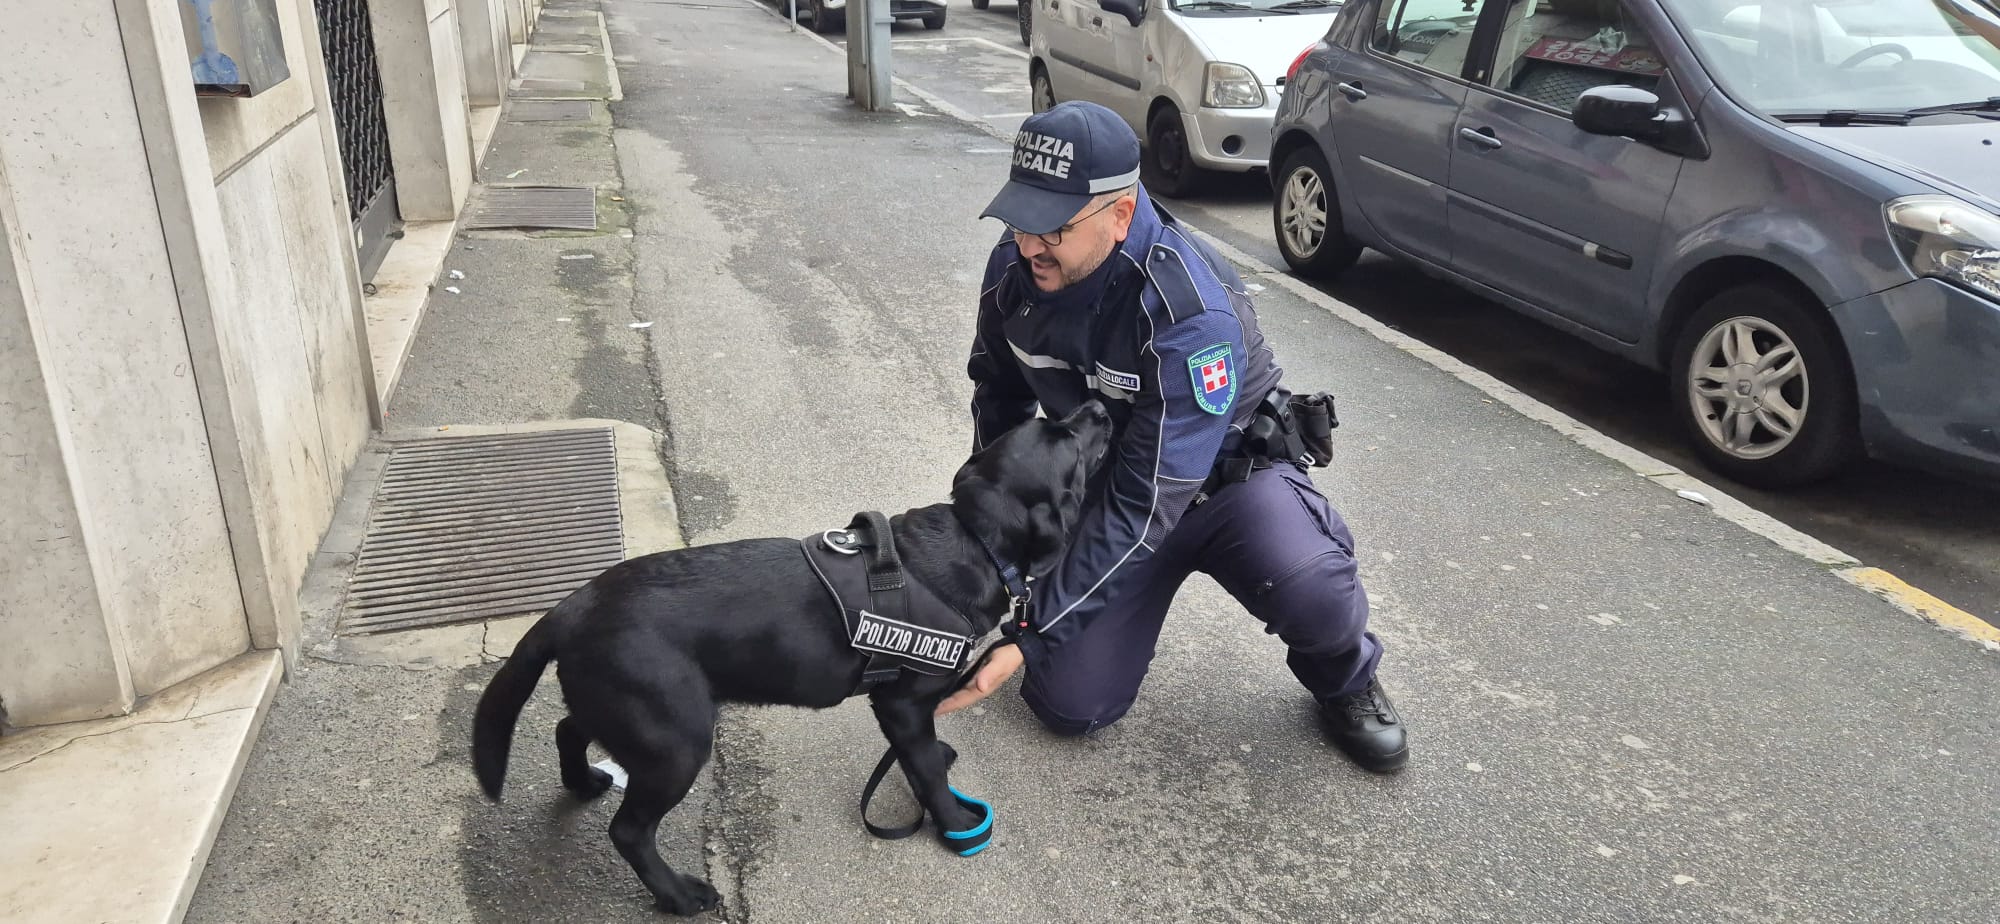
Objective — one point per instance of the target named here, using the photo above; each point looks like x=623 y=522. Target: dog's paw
x=590 y=787
x=693 y=897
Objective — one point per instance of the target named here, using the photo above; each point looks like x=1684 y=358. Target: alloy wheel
x=1749 y=388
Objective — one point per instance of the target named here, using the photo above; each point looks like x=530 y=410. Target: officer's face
x=1084 y=243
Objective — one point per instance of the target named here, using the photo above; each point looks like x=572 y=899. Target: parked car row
x=1792 y=207
x=829 y=16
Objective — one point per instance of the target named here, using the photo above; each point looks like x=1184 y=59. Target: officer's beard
x=1070 y=274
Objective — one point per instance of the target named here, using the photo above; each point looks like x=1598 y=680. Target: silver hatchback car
x=1790 y=206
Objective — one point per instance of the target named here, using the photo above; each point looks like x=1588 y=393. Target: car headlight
x=1948 y=238
x=1230 y=86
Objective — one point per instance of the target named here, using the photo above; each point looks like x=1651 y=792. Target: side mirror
x=1620 y=110
x=1132 y=10
x=1629 y=112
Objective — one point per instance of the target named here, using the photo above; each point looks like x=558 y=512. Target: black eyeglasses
x=1054 y=238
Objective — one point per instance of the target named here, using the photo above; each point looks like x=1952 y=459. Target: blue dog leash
x=965 y=843
x=980 y=836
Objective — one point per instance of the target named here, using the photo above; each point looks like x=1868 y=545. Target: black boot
x=1366 y=728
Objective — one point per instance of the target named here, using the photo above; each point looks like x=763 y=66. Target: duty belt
x=1286 y=428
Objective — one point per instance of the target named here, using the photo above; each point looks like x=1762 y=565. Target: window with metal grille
x=356 y=88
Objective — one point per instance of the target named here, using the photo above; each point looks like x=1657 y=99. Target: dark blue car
x=1792 y=206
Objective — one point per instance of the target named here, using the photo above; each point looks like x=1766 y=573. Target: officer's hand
x=999 y=664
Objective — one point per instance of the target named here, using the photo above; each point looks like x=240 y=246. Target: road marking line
x=1883 y=584
x=996 y=46
x=1922 y=605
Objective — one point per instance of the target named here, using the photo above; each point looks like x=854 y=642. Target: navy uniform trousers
x=1276 y=545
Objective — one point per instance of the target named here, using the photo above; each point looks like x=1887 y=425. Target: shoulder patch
x=1178 y=292
x=1214 y=378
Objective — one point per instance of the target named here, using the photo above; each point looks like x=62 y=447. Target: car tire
x=1763 y=388
x=823 y=19
x=1170 y=170
x=1041 y=93
x=1302 y=195
x=981 y=4
x=1025 y=12
x=935 y=21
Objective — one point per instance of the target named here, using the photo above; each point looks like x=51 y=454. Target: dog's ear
x=1048 y=533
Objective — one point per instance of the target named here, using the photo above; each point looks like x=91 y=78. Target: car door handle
x=1352 y=91
x=1480 y=136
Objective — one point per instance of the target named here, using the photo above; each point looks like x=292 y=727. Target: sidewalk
x=1623 y=708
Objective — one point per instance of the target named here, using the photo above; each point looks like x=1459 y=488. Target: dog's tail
x=500 y=705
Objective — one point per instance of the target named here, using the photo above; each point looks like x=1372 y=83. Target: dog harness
x=901 y=626
x=899 y=623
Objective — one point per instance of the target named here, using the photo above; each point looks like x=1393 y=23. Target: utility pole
x=868 y=54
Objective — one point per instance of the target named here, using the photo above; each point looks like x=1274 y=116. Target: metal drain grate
x=549 y=110
x=562 y=207
x=481 y=527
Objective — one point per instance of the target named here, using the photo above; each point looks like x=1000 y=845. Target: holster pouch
x=1313 y=420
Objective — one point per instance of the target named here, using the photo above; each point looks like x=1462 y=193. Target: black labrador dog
x=648 y=649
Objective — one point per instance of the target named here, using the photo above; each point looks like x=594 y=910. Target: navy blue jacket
x=1169 y=344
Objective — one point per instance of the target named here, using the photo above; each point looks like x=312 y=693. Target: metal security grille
x=355 y=85
x=566 y=207
x=480 y=527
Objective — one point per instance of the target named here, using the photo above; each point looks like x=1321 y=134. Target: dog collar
x=1018 y=591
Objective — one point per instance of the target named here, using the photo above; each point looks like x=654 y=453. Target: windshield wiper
x=1838 y=117
x=1989 y=104
x=1214 y=5
x=1306 y=4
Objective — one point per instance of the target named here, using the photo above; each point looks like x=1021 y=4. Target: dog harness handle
x=885 y=567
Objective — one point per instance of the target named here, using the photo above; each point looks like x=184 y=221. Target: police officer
x=1096 y=291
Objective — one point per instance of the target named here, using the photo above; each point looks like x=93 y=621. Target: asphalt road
x=1940 y=534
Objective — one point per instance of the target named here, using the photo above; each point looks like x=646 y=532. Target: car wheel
x=1763 y=388
x=1171 y=170
x=1041 y=93
x=1025 y=11
x=1305 y=214
x=981 y=4
x=935 y=20
x=823 y=19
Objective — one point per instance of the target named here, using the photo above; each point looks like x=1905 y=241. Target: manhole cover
x=550 y=207
x=548 y=110
x=481 y=527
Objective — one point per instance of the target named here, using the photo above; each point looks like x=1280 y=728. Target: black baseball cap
x=1063 y=157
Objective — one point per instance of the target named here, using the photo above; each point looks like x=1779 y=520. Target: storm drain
x=549 y=110
x=483 y=527
x=571 y=208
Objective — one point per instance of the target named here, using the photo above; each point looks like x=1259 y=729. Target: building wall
x=296 y=357
x=57 y=649
x=100 y=307
x=185 y=376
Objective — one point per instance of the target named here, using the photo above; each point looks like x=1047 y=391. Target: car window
x=1432 y=34
x=1815 y=55
x=1550 y=51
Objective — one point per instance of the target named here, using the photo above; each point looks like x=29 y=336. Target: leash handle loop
x=868 y=795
